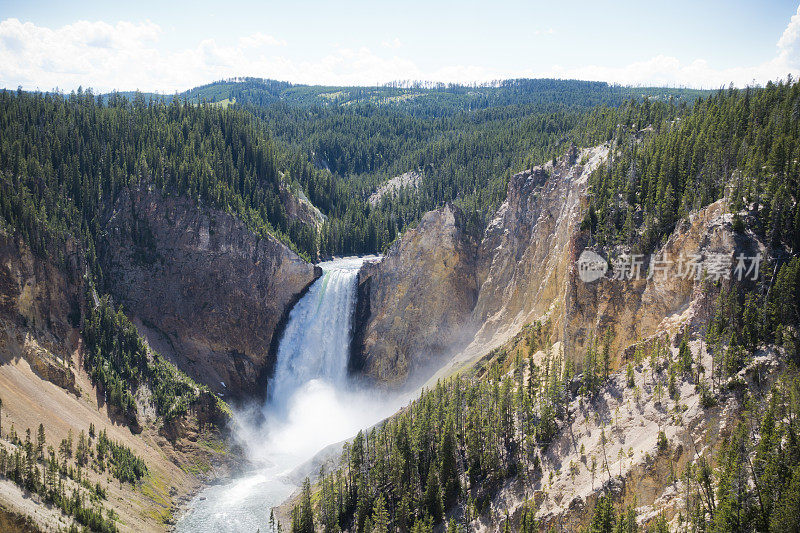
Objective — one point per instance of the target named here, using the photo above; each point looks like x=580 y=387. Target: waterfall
x=316 y=342
x=311 y=404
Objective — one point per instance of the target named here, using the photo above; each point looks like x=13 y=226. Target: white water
x=311 y=404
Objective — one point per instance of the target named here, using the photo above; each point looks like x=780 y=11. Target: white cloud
x=394 y=43
x=666 y=70
x=122 y=56
x=260 y=40
x=789 y=43
x=129 y=55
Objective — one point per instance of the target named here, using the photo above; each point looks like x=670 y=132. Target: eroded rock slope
x=435 y=285
x=414 y=306
x=207 y=292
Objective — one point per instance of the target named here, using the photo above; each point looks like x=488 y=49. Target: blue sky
x=167 y=46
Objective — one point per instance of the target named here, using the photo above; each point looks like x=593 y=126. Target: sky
x=172 y=46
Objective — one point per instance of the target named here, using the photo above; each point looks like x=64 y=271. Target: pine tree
x=40 y=442
x=732 y=491
x=433 y=496
x=380 y=517
x=448 y=471
x=750 y=323
x=82 y=450
x=30 y=463
x=685 y=356
x=604 y=518
x=303 y=516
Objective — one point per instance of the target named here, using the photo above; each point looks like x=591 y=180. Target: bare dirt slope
x=42 y=381
x=610 y=444
x=175 y=468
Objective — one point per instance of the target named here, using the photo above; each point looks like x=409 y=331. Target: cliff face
x=528 y=248
x=524 y=270
x=663 y=304
x=40 y=309
x=43 y=381
x=414 y=305
x=300 y=209
x=436 y=286
x=206 y=291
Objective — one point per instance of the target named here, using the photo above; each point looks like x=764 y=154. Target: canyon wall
x=432 y=288
x=43 y=381
x=414 y=305
x=40 y=310
x=207 y=292
x=662 y=304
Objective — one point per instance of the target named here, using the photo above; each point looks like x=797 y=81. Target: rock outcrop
x=414 y=305
x=528 y=248
x=437 y=286
x=40 y=310
x=410 y=179
x=207 y=292
x=662 y=304
x=524 y=270
x=299 y=208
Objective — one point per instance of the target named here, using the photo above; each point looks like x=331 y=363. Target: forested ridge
x=431 y=99
x=66 y=159
x=465 y=141
x=742 y=144
x=59 y=179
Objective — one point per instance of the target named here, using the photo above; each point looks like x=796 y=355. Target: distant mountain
x=426 y=97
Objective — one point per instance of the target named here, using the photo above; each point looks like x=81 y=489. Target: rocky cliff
x=414 y=305
x=524 y=270
x=40 y=309
x=205 y=290
x=299 y=208
x=528 y=248
x=43 y=381
x=436 y=285
x=665 y=302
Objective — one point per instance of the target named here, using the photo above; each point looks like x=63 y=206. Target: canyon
x=511 y=306
x=214 y=298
